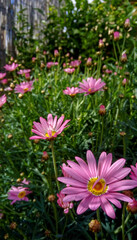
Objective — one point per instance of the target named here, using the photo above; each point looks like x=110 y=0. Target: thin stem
x=64 y=226
x=126 y=221
x=98 y=218
x=56 y=216
x=102 y=131
x=96 y=236
x=124 y=147
x=54 y=164
x=123 y=221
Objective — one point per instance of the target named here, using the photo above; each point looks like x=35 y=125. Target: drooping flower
x=2 y=75
x=23 y=71
x=49 y=129
x=3 y=100
x=69 y=70
x=11 y=67
x=75 y=63
x=8 y=89
x=18 y=194
x=97 y=186
x=71 y=91
x=116 y=36
x=24 y=87
x=65 y=205
x=91 y=85
x=133 y=174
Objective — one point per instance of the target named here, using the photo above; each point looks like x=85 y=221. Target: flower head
x=11 y=67
x=24 y=71
x=132 y=206
x=4 y=81
x=2 y=75
x=50 y=64
x=56 y=53
x=3 y=100
x=124 y=57
x=49 y=129
x=127 y=23
x=101 y=43
x=24 y=87
x=66 y=205
x=69 y=70
x=96 y=186
x=102 y=110
x=18 y=194
x=89 y=61
x=91 y=86
x=116 y=36
x=71 y=91
x=75 y=63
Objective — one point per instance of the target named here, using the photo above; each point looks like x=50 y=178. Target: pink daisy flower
x=96 y=186
x=91 y=85
x=71 y=91
x=11 y=67
x=133 y=174
x=75 y=63
x=49 y=129
x=2 y=75
x=3 y=100
x=66 y=205
x=24 y=87
x=18 y=194
x=4 y=81
x=69 y=70
x=24 y=71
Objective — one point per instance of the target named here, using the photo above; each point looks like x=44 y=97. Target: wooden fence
x=8 y=17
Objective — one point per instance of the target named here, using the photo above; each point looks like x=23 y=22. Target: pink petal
x=59 y=122
x=91 y=163
x=94 y=203
x=72 y=190
x=76 y=167
x=75 y=174
x=72 y=182
x=50 y=119
x=44 y=124
x=84 y=167
x=83 y=206
x=115 y=167
x=106 y=206
x=122 y=185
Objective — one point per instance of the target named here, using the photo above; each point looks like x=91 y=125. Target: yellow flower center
x=98 y=188
x=89 y=90
x=47 y=135
x=72 y=95
x=22 y=194
x=26 y=89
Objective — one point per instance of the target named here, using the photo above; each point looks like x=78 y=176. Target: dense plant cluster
x=65 y=118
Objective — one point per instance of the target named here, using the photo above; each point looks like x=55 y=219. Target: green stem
x=126 y=221
x=96 y=236
x=102 y=131
x=54 y=164
x=98 y=218
x=123 y=221
x=115 y=51
x=56 y=216
x=64 y=226
x=124 y=147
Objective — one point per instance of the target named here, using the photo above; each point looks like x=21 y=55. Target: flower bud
x=122 y=134
x=124 y=82
x=101 y=43
x=45 y=155
x=94 y=226
x=51 y=198
x=124 y=57
x=116 y=36
x=89 y=61
x=102 y=110
x=56 y=53
x=13 y=225
x=132 y=206
x=127 y=23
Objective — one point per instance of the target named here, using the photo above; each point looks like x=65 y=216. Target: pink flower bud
x=116 y=36
x=102 y=110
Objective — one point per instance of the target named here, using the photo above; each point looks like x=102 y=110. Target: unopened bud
x=94 y=226
x=51 y=198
